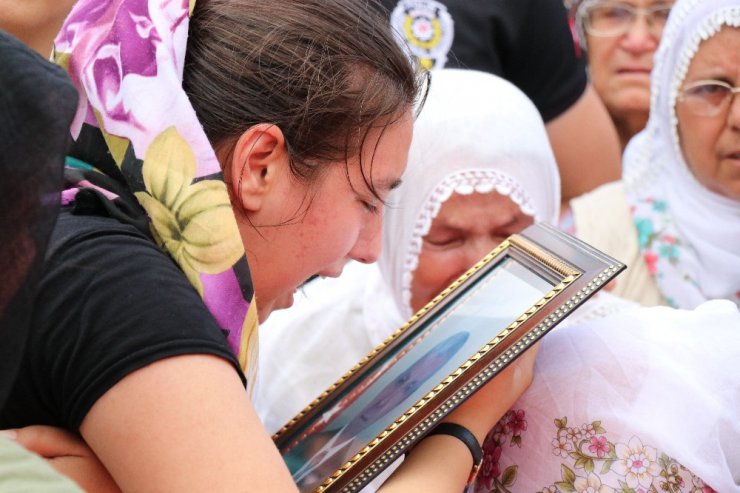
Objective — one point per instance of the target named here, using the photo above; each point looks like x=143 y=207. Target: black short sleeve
x=110 y=302
x=527 y=42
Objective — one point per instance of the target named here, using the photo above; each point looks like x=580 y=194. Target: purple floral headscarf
x=126 y=59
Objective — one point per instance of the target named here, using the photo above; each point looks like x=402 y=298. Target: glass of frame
x=444 y=353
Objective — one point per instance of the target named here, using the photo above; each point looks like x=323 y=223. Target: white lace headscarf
x=688 y=234
x=476 y=133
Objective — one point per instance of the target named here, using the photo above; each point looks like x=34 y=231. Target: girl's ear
x=258 y=158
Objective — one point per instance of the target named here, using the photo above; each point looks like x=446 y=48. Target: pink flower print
x=490 y=468
x=591 y=484
x=673 y=479
x=517 y=422
x=637 y=463
x=128 y=49
x=588 y=430
x=651 y=260
x=495 y=437
x=700 y=486
x=671 y=240
x=85 y=12
x=598 y=446
x=574 y=434
x=562 y=447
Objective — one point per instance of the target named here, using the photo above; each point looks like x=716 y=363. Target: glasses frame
x=646 y=12
x=714 y=110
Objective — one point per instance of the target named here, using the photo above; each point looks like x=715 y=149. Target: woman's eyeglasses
x=708 y=97
x=615 y=19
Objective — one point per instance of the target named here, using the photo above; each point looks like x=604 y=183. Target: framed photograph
x=445 y=352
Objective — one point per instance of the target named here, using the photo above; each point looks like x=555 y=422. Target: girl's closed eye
x=372 y=207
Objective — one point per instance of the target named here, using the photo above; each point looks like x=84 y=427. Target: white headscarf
x=476 y=133
x=689 y=235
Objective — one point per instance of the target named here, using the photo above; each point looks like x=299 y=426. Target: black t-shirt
x=109 y=302
x=527 y=42
x=37 y=105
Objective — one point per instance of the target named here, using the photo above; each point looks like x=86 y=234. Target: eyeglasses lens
x=615 y=19
x=707 y=99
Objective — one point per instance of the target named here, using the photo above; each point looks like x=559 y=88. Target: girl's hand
x=482 y=410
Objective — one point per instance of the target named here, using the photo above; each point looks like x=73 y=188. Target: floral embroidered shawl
x=152 y=164
x=689 y=236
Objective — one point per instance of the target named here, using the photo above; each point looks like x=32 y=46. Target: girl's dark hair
x=325 y=72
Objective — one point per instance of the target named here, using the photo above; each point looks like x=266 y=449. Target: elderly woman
x=647 y=400
x=621 y=38
x=675 y=219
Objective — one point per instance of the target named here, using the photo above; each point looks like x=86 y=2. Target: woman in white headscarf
x=480 y=168
x=648 y=399
x=675 y=218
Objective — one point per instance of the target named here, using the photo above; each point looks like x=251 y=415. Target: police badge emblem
x=427 y=28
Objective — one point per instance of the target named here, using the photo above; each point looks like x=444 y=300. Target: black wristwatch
x=465 y=436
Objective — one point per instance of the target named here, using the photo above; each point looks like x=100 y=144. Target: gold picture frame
x=456 y=343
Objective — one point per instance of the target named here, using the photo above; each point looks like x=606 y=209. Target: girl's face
x=465 y=230
x=711 y=144
x=321 y=226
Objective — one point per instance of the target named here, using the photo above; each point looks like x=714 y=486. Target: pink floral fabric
x=126 y=59
x=590 y=461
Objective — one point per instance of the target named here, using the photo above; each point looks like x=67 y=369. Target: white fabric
x=652 y=380
x=689 y=235
x=476 y=132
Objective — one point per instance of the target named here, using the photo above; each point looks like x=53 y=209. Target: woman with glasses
x=528 y=43
x=680 y=230
x=641 y=400
x=621 y=38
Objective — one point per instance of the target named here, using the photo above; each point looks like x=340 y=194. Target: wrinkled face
x=325 y=224
x=620 y=65
x=466 y=229
x=711 y=144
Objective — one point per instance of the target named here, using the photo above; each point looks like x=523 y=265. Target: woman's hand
x=68 y=454
x=442 y=463
x=482 y=410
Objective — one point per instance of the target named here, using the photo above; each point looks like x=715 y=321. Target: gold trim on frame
x=543 y=256
x=496 y=365
x=466 y=390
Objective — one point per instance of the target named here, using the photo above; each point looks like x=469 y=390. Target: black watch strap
x=465 y=436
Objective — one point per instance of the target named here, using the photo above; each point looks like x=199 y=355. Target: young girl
x=278 y=132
